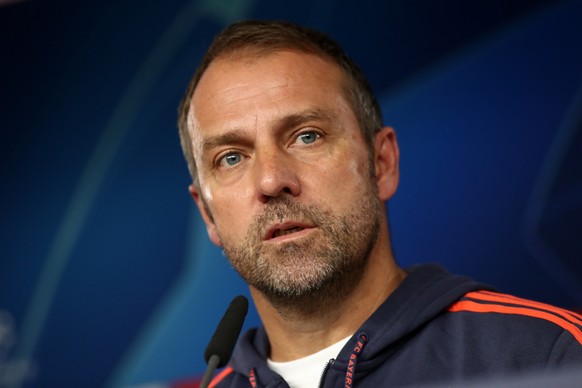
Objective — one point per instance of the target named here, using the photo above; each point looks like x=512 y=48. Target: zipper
x=324 y=372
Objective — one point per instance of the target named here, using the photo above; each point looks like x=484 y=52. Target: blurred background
x=107 y=278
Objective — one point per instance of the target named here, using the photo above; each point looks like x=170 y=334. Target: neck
x=298 y=332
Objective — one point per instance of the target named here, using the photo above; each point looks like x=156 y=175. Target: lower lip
x=291 y=236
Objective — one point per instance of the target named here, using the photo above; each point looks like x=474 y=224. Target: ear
x=205 y=213
x=386 y=158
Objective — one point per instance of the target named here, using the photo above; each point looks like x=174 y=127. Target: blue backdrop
x=106 y=274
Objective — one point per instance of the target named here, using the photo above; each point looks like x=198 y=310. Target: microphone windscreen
x=227 y=332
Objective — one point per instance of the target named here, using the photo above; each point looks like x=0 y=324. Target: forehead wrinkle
x=250 y=90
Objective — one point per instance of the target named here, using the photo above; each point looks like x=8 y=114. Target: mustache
x=280 y=209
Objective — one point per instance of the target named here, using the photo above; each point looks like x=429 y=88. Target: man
x=291 y=170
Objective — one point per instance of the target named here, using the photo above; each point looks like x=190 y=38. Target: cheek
x=340 y=183
x=232 y=212
x=359 y=170
x=351 y=168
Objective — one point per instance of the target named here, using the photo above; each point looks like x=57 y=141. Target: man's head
x=259 y=38
x=288 y=182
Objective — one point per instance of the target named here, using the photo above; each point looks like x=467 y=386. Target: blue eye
x=231 y=159
x=308 y=137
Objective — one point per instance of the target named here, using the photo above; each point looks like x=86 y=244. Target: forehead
x=233 y=87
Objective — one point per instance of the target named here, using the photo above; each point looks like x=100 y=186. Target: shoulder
x=517 y=328
x=483 y=304
x=489 y=332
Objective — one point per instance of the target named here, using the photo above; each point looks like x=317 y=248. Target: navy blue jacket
x=434 y=328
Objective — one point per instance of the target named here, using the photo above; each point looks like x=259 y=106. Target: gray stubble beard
x=320 y=270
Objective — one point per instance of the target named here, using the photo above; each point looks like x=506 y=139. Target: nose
x=275 y=175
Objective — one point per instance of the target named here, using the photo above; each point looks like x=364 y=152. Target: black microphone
x=222 y=343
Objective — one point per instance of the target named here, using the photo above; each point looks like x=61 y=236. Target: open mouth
x=286 y=229
x=284 y=232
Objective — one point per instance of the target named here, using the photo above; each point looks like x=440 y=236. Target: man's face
x=286 y=185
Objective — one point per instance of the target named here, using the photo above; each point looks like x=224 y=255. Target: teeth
x=280 y=232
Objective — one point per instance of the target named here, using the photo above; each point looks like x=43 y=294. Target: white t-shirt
x=306 y=372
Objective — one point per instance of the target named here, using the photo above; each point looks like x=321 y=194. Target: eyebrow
x=237 y=136
x=296 y=119
x=234 y=136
